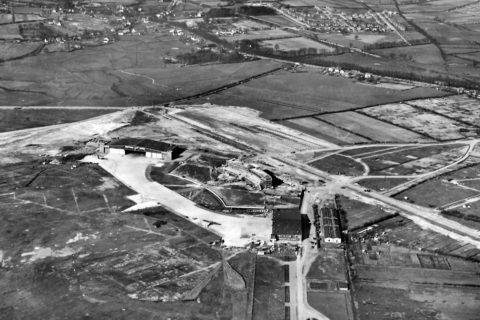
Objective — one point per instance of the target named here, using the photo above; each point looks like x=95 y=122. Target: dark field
x=16 y=119
x=381 y=184
x=269 y=292
x=339 y=165
x=236 y=197
x=81 y=259
x=124 y=73
x=284 y=95
x=359 y=214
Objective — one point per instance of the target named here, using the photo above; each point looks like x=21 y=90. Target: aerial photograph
x=240 y=159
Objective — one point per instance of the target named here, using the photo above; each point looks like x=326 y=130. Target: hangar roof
x=143 y=143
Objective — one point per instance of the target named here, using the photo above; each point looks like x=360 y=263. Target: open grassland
x=67 y=221
x=423 y=54
x=16 y=119
x=381 y=184
x=237 y=197
x=127 y=72
x=371 y=128
x=277 y=20
x=403 y=232
x=421 y=121
x=360 y=214
x=296 y=44
x=322 y=130
x=458 y=107
x=413 y=160
x=339 y=165
x=284 y=94
x=260 y=35
x=269 y=291
x=436 y=192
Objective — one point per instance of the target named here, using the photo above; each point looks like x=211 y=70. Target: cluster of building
x=235 y=169
x=327 y=19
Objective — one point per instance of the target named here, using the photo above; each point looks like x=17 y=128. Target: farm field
x=381 y=184
x=9 y=32
x=269 y=291
x=334 y=305
x=284 y=94
x=278 y=20
x=436 y=192
x=260 y=35
x=403 y=232
x=16 y=119
x=423 y=54
x=98 y=255
x=458 y=107
x=296 y=44
x=322 y=130
x=413 y=160
x=360 y=214
x=123 y=73
x=426 y=123
x=339 y=165
x=371 y=128
x=236 y=197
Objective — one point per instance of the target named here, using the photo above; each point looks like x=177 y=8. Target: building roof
x=287 y=222
x=152 y=145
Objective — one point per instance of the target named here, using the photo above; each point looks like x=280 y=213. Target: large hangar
x=146 y=147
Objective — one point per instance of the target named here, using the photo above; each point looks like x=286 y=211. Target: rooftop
x=287 y=222
x=143 y=143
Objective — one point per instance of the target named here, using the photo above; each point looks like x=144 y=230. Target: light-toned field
x=9 y=32
x=277 y=20
x=459 y=107
x=260 y=34
x=374 y=129
x=250 y=25
x=323 y=130
x=432 y=125
x=285 y=94
x=296 y=44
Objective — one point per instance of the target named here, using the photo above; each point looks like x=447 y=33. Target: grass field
x=278 y=20
x=284 y=94
x=413 y=160
x=334 y=305
x=296 y=44
x=195 y=172
x=423 y=54
x=236 y=197
x=322 y=130
x=359 y=214
x=102 y=261
x=260 y=35
x=339 y=165
x=373 y=129
x=381 y=184
x=421 y=121
x=16 y=119
x=269 y=292
x=127 y=72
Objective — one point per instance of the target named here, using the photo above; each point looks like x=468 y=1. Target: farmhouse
x=287 y=225
x=148 y=148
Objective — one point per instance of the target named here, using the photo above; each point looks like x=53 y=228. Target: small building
x=287 y=225
x=146 y=147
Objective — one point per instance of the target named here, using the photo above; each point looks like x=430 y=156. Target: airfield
x=328 y=164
